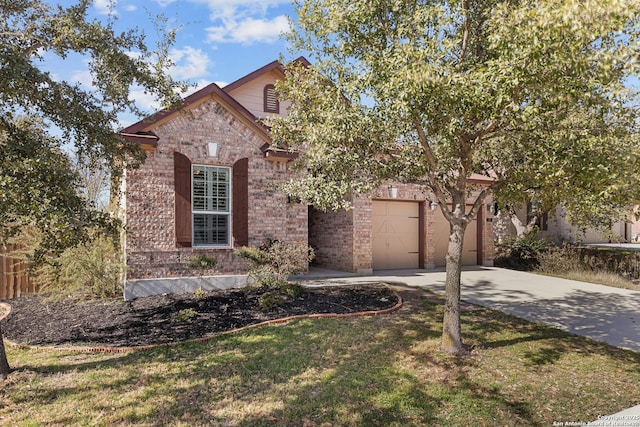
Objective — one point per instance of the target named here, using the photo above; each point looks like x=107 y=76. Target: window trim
x=229 y=243
x=270 y=89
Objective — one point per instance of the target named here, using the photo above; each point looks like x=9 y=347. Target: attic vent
x=271 y=104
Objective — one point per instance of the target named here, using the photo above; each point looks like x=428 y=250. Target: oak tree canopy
x=532 y=94
x=41 y=111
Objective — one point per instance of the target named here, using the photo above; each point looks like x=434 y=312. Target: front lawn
x=384 y=370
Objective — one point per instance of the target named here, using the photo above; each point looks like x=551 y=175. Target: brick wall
x=488 y=239
x=342 y=240
x=362 y=235
x=151 y=249
x=331 y=237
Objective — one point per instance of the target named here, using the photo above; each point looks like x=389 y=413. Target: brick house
x=209 y=184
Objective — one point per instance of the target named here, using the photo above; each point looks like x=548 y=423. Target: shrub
x=275 y=261
x=267 y=277
x=270 y=299
x=185 y=315
x=556 y=260
x=586 y=264
x=294 y=290
x=521 y=253
x=199 y=293
x=91 y=270
x=258 y=256
x=625 y=264
x=201 y=262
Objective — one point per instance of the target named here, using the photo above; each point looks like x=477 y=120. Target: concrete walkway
x=599 y=312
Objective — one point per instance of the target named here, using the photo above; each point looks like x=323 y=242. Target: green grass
x=384 y=371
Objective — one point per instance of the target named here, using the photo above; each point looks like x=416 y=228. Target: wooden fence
x=14 y=280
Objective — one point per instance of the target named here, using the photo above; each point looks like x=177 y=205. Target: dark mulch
x=172 y=318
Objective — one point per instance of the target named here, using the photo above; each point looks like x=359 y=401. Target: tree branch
x=465 y=34
x=426 y=148
x=477 y=204
x=31 y=49
x=490 y=128
x=435 y=184
x=25 y=53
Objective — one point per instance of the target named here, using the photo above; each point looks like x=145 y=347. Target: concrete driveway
x=603 y=313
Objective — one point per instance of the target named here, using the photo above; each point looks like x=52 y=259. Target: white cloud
x=249 y=30
x=200 y=84
x=190 y=63
x=105 y=7
x=83 y=77
x=130 y=8
x=242 y=21
x=165 y=3
x=219 y=6
x=148 y=102
x=145 y=101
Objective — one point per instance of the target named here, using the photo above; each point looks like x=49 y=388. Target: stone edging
x=106 y=349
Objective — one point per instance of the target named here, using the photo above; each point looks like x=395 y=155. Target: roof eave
x=147 y=140
x=275 y=65
x=280 y=156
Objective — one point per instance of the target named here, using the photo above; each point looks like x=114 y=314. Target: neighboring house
x=556 y=227
x=209 y=185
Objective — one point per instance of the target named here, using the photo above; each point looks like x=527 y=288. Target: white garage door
x=470 y=245
x=395 y=235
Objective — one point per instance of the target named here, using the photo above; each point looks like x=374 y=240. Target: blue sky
x=217 y=40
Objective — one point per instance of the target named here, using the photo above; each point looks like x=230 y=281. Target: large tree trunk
x=522 y=229
x=451 y=333
x=5 y=370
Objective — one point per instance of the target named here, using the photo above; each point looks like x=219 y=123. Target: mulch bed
x=163 y=319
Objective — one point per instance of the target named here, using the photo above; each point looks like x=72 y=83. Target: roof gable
x=212 y=90
x=142 y=131
x=275 y=66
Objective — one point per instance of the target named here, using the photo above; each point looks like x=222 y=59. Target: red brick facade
x=149 y=198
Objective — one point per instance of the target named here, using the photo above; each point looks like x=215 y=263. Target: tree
x=38 y=185
x=96 y=184
x=595 y=177
x=530 y=94
x=41 y=188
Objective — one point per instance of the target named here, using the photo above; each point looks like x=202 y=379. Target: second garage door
x=395 y=235
x=441 y=236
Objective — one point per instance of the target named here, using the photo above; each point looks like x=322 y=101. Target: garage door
x=395 y=235
x=470 y=245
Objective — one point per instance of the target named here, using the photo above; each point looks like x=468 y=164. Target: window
x=211 y=210
x=271 y=103
x=542 y=220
